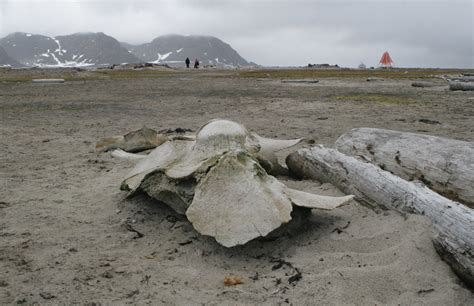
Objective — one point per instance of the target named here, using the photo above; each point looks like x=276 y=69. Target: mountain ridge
x=170 y=48
x=97 y=49
x=78 y=49
x=6 y=60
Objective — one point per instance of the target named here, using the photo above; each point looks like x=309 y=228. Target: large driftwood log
x=463 y=78
x=426 y=84
x=464 y=86
x=453 y=222
x=445 y=165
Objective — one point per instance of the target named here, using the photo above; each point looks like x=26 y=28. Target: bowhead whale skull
x=216 y=179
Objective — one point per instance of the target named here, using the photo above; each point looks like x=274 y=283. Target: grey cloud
x=423 y=33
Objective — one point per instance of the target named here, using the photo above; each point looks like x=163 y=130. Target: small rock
x=120 y=270
x=47 y=295
x=233 y=280
x=132 y=293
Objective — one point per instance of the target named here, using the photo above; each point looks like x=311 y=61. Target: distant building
x=362 y=66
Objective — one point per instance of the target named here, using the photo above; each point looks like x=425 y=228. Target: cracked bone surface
x=217 y=181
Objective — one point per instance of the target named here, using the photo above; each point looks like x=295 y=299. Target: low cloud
x=417 y=33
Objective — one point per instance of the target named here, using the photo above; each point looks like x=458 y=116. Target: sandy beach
x=62 y=214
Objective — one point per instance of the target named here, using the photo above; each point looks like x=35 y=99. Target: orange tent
x=386 y=60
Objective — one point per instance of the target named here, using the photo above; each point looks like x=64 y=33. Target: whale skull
x=216 y=179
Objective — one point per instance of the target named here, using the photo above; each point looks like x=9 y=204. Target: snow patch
x=179 y=50
x=162 y=57
x=28 y=35
x=59 y=49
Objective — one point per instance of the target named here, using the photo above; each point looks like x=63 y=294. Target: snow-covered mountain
x=95 y=49
x=75 y=50
x=6 y=60
x=175 y=48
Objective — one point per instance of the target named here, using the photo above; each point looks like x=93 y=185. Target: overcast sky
x=417 y=33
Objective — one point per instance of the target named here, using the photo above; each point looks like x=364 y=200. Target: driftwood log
x=464 y=86
x=453 y=222
x=463 y=78
x=371 y=79
x=48 y=81
x=310 y=81
x=445 y=165
x=426 y=84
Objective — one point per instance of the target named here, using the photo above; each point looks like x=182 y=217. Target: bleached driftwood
x=48 y=81
x=426 y=84
x=464 y=86
x=445 y=165
x=463 y=78
x=309 y=81
x=453 y=222
x=371 y=79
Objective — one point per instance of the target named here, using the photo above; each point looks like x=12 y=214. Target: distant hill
x=175 y=48
x=6 y=60
x=80 y=49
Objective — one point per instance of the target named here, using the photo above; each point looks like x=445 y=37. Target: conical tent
x=386 y=60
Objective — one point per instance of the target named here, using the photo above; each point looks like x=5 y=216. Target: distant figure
x=196 y=64
x=187 y=61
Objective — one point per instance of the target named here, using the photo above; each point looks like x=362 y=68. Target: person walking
x=187 y=61
x=196 y=64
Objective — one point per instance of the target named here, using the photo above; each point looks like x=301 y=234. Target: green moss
x=376 y=98
x=139 y=74
x=349 y=73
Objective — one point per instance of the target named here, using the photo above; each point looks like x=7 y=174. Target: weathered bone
x=136 y=141
x=119 y=153
x=216 y=180
x=237 y=202
x=309 y=200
